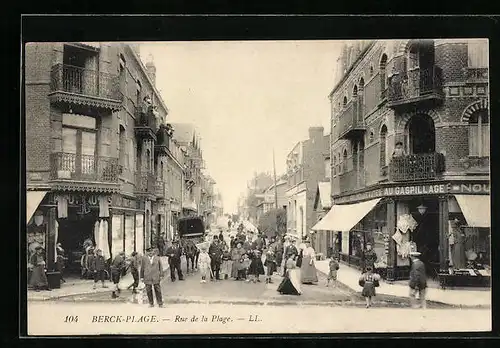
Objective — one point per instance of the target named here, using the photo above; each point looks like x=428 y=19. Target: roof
x=183 y=132
x=324 y=191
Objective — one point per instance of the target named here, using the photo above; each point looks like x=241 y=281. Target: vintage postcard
x=264 y=187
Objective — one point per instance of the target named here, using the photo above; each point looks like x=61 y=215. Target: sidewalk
x=82 y=287
x=349 y=276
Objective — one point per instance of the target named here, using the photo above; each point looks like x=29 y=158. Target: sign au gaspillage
x=410 y=190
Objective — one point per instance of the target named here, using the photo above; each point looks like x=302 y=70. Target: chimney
x=151 y=69
x=316 y=133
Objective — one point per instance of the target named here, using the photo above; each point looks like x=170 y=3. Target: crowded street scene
x=234 y=183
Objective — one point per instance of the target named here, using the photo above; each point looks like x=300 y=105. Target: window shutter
x=485 y=129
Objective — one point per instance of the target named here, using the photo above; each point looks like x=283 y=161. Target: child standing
x=332 y=274
x=369 y=281
x=98 y=267
x=204 y=262
x=256 y=267
x=243 y=267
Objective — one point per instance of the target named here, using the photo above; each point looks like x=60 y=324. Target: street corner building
x=409 y=154
x=102 y=162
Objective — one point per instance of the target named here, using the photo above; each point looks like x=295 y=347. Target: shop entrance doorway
x=426 y=234
x=73 y=231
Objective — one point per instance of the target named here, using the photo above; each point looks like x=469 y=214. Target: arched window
x=355 y=156
x=383 y=146
x=161 y=170
x=148 y=160
x=383 y=75
x=344 y=161
x=334 y=165
x=479 y=134
x=339 y=169
x=345 y=102
x=371 y=137
x=371 y=70
x=355 y=91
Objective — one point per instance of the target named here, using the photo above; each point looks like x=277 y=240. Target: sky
x=245 y=99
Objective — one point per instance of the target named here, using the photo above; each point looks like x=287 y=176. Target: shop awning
x=344 y=217
x=33 y=199
x=476 y=209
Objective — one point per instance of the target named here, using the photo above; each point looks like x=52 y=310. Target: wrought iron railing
x=145 y=117
x=352 y=117
x=416 y=167
x=414 y=84
x=476 y=73
x=77 y=80
x=71 y=166
x=145 y=183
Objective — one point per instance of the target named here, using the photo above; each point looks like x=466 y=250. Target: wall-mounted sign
x=78 y=200
x=417 y=190
x=474 y=188
x=124 y=202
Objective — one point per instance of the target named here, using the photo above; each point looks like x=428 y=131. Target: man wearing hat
x=151 y=275
x=369 y=257
x=174 y=253
x=418 y=279
x=117 y=267
x=215 y=252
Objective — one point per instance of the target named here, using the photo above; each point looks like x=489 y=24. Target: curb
x=53 y=298
x=451 y=305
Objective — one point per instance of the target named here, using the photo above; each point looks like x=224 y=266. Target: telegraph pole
x=275 y=192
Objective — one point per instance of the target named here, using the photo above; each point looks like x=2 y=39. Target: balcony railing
x=70 y=166
x=416 y=167
x=163 y=138
x=476 y=74
x=415 y=86
x=351 y=120
x=145 y=123
x=145 y=183
x=85 y=83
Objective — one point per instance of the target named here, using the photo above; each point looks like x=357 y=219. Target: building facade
x=410 y=153
x=101 y=162
x=305 y=168
x=268 y=198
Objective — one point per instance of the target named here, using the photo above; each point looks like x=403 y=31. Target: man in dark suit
x=151 y=275
x=215 y=252
x=174 y=260
x=418 y=280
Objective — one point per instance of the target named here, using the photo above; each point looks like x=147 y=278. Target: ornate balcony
x=78 y=86
x=145 y=184
x=414 y=87
x=74 y=172
x=476 y=165
x=425 y=166
x=145 y=123
x=351 y=122
x=163 y=138
x=476 y=75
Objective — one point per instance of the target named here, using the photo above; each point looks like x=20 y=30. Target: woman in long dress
x=236 y=255
x=290 y=285
x=38 y=280
x=308 y=273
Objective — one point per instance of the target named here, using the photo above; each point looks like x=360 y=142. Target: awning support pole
x=443 y=233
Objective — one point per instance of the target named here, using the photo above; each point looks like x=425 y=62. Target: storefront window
x=117 y=234
x=129 y=234
x=139 y=233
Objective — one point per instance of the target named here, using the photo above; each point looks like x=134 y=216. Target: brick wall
x=38 y=128
x=452 y=59
x=454 y=142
